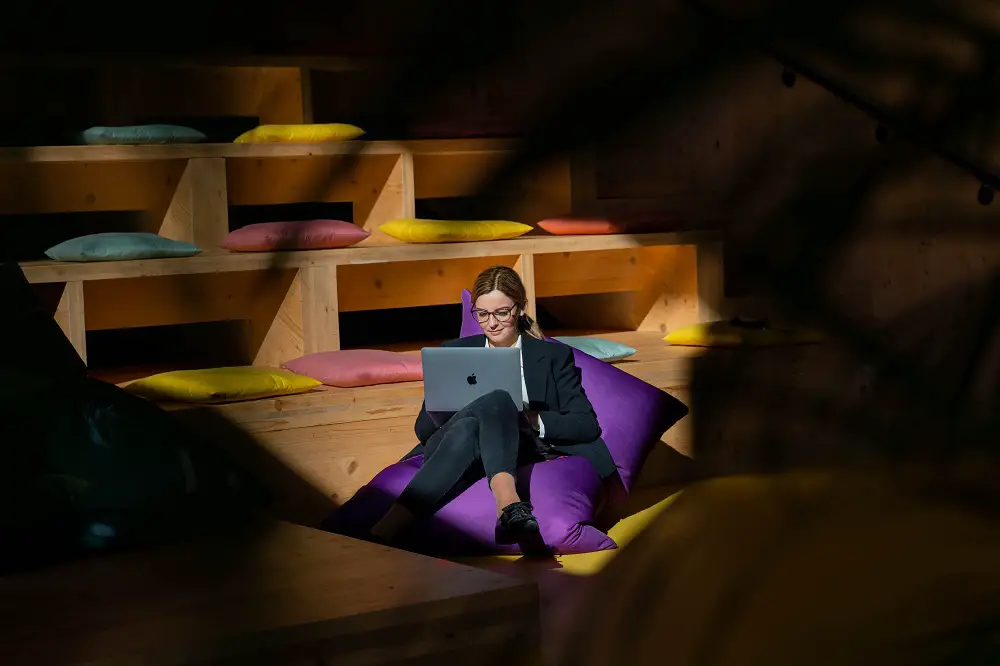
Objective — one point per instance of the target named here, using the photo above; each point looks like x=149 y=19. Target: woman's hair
x=506 y=280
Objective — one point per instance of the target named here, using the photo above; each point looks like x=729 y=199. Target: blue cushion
x=605 y=350
x=119 y=246
x=141 y=134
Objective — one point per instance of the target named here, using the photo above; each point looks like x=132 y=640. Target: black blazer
x=555 y=392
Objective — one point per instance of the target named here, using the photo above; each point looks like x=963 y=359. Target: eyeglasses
x=502 y=315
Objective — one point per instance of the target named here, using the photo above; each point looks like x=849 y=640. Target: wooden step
x=272 y=593
x=187 y=151
x=60 y=271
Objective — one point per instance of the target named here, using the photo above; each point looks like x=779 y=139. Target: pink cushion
x=304 y=235
x=358 y=367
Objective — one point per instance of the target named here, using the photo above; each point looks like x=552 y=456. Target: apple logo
x=471 y=379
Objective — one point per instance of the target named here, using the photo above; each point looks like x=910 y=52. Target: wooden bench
x=269 y=594
x=291 y=301
x=307 y=319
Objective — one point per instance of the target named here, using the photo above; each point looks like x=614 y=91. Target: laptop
x=455 y=376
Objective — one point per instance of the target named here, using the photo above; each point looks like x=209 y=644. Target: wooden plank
x=199 y=210
x=336 y=459
x=591 y=272
x=272 y=94
x=51 y=271
x=267 y=593
x=525 y=267
x=383 y=200
x=320 y=314
x=305 y=78
x=307 y=179
x=446 y=174
x=411 y=283
x=710 y=281
x=89 y=186
x=76 y=60
x=274 y=330
x=244 y=150
x=166 y=300
x=662 y=293
x=70 y=316
x=327 y=405
x=56 y=154
x=453 y=146
x=670 y=298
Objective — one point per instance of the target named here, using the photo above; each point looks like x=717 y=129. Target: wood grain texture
x=525 y=267
x=199 y=210
x=272 y=593
x=320 y=314
x=70 y=316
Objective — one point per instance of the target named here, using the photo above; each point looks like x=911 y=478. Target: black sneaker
x=517 y=524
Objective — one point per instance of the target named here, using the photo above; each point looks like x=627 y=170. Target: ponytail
x=525 y=324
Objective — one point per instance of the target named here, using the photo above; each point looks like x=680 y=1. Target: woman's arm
x=575 y=422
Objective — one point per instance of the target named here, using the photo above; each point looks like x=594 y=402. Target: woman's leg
x=484 y=434
x=499 y=443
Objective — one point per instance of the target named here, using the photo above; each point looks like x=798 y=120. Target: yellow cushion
x=216 y=385
x=300 y=133
x=736 y=334
x=448 y=231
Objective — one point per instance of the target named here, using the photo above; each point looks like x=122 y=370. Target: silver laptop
x=455 y=376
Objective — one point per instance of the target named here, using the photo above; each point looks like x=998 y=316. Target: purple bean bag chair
x=567 y=492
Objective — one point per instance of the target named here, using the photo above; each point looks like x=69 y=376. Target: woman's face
x=497 y=315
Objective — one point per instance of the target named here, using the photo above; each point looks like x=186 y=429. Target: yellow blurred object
x=449 y=231
x=215 y=385
x=740 y=333
x=300 y=133
x=821 y=568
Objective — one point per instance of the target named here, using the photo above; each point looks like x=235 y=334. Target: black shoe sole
x=517 y=534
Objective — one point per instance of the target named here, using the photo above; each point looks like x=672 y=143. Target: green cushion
x=605 y=350
x=120 y=246
x=141 y=134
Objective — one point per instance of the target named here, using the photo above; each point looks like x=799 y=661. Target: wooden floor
x=274 y=593
x=316 y=449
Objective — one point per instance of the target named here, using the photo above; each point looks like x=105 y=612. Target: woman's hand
x=532 y=418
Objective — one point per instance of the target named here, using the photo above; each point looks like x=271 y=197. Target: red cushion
x=634 y=223
x=571 y=227
x=304 y=235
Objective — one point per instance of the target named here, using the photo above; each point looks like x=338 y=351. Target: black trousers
x=484 y=438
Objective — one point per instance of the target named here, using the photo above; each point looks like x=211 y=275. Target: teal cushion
x=141 y=134
x=606 y=350
x=120 y=246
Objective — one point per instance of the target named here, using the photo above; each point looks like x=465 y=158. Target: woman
x=490 y=437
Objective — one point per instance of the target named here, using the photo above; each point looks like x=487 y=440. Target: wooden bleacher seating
x=334 y=440
x=383 y=181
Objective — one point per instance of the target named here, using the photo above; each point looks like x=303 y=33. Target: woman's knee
x=463 y=434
